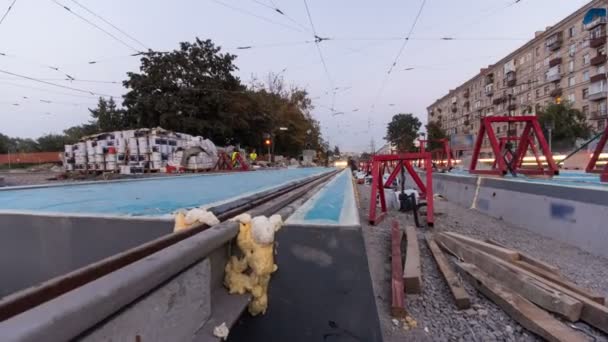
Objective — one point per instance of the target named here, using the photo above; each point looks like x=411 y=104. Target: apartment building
x=566 y=62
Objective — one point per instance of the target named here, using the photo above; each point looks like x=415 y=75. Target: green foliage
x=336 y=150
x=51 y=143
x=108 y=117
x=365 y=156
x=568 y=124
x=434 y=132
x=402 y=131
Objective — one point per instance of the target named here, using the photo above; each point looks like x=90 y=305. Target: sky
x=354 y=94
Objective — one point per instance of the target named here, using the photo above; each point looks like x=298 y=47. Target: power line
x=7 y=11
x=54 y=84
x=109 y=23
x=318 y=39
x=47 y=90
x=276 y=9
x=95 y=25
x=407 y=37
x=237 y=9
x=271 y=45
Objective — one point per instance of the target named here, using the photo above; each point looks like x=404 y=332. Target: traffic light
x=267 y=142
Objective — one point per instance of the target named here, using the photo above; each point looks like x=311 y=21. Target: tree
x=434 y=132
x=109 y=118
x=365 y=156
x=187 y=90
x=336 y=151
x=51 y=142
x=568 y=124
x=402 y=131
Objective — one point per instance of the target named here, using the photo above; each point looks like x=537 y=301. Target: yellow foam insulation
x=192 y=218
x=251 y=272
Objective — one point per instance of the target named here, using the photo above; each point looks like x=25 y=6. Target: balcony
x=598 y=91
x=511 y=79
x=498 y=100
x=466 y=94
x=556 y=92
x=554 y=42
x=454 y=109
x=597 y=78
x=599 y=20
x=600 y=95
x=554 y=77
x=555 y=61
x=512 y=106
x=596 y=41
x=489 y=79
x=599 y=114
x=598 y=60
x=489 y=90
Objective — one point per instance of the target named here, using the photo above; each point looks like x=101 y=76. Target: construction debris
x=398 y=302
x=411 y=272
x=531 y=280
x=461 y=297
x=523 y=311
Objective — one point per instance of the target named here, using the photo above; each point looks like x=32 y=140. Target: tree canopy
x=568 y=124
x=193 y=90
x=434 y=132
x=402 y=131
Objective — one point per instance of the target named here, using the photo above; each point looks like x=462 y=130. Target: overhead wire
x=10 y=7
x=277 y=10
x=112 y=25
x=318 y=39
x=241 y=10
x=96 y=26
x=48 y=90
x=43 y=65
x=54 y=84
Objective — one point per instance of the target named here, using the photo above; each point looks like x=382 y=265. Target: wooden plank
x=551 y=273
x=530 y=288
x=398 y=302
x=501 y=252
x=523 y=311
x=411 y=271
x=527 y=258
x=460 y=295
x=561 y=281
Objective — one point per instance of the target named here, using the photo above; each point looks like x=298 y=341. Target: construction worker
x=233 y=157
x=253 y=156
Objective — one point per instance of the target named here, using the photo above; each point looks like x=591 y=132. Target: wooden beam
x=411 y=271
x=523 y=311
x=527 y=258
x=458 y=292
x=561 y=281
x=551 y=273
x=398 y=302
x=501 y=252
x=530 y=288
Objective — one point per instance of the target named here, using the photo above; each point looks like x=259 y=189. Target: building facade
x=566 y=62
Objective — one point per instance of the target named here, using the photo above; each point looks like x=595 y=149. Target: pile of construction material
x=526 y=288
x=141 y=150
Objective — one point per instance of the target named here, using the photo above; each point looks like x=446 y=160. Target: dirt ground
x=434 y=311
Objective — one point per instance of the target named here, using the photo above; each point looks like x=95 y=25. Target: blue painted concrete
x=334 y=204
x=565 y=177
x=150 y=197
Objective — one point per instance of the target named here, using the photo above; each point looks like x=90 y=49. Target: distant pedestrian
x=253 y=156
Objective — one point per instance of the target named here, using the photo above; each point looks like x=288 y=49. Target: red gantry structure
x=592 y=166
x=383 y=163
x=509 y=160
x=443 y=157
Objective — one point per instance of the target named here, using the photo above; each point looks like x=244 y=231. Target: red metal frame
x=443 y=155
x=224 y=162
x=591 y=167
x=382 y=163
x=524 y=142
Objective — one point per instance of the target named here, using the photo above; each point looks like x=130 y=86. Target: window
x=537 y=51
x=571 y=32
x=537 y=93
x=537 y=65
x=585 y=108
x=529 y=96
x=601 y=69
x=546 y=90
x=572 y=49
x=571 y=81
x=585 y=75
x=585 y=95
x=571 y=66
x=571 y=98
x=586 y=59
x=600 y=125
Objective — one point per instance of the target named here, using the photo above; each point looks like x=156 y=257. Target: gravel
x=437 y=317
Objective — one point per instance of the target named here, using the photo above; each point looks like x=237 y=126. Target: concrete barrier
x=571 y=214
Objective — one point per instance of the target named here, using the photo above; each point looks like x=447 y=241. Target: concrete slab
x=322 y=290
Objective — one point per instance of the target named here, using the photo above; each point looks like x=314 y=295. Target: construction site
x=269 y=170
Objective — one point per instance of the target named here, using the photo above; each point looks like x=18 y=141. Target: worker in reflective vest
x=234 y=154
x=253 y=156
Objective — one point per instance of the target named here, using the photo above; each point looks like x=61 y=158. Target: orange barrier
x=31 y=158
